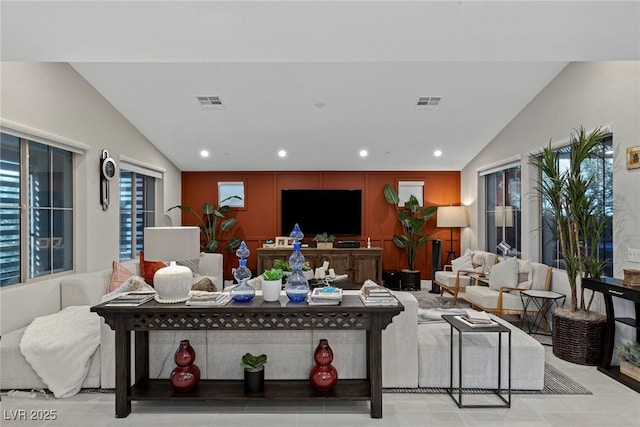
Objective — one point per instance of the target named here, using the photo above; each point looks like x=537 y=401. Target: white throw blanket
x=59 y=347
x=427 y=315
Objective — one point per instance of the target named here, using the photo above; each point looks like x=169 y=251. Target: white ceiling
x=271 y=62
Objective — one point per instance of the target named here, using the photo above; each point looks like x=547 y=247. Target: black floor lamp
x=452 y=216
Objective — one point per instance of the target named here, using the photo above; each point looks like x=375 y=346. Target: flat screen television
x=337 y=212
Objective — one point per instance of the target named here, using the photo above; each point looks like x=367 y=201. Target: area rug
x=555 y=382
x=428 y=300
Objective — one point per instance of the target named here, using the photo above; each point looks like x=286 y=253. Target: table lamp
x=171 y=244
x=452 y=216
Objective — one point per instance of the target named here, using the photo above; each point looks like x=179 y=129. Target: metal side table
x=543 y=302
x=465 y=328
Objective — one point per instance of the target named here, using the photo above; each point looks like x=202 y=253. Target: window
x=601 y=168
x=502 y=209
x=227 y=189
x=43 y=184
x=137 y=210
x=406 y=189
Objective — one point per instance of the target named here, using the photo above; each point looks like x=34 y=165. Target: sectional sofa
x=413 y=354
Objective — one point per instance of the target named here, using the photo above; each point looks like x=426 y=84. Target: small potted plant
x=307 y=271
x=324 y=241
x=271 y=284
x=253 y=372
x=629 y=355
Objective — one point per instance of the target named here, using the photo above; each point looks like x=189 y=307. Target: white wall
x=587 y=94
x=54 y=98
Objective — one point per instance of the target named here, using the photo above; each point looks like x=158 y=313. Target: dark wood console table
x=254 y=315
x=359 y=264
x=610 y=288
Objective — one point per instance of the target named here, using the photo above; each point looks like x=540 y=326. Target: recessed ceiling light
x=204 y=153
x=282 y=153
x=319 y=104
x=363 y=153
x=437 y=153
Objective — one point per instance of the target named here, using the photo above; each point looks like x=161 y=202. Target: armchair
x=505 y=299
x=455 y=280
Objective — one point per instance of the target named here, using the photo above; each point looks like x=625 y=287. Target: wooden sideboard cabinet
x=360 y=264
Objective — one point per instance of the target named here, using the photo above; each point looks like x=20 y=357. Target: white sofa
x=218 y=353
x=24 y=302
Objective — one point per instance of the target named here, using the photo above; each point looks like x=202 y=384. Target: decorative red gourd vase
x=186 y=375
x=323 y=375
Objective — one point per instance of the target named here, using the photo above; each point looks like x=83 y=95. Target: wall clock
x=108 y=170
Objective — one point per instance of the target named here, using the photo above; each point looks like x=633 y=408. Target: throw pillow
x=478 y=261
x=192 y=264
x=504 y=274
x=525 y=273
x=132 y=284
x=148 y=268
x=462 y=263
x=118 y=275
x=204 y=284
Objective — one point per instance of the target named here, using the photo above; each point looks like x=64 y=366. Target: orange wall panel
x=259 y=220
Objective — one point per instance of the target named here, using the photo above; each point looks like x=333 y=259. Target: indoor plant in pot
x=253 y=372
x=213 y=222
x=571 y=205
x=629 y=355
x=286 y=268
x=412 y=218
x=271 y=284
x=324 y=241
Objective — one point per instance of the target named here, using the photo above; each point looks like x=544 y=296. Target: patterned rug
x=555 y=382
x=429 y=300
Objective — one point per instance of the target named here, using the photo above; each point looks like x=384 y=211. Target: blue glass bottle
x=297 y=286
x=242 y=292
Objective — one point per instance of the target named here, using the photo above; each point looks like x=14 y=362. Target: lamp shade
x=171 y=243
x=172 y=283
x=453 y=216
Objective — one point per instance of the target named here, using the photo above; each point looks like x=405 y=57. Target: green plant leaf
x=228 y=224
x=390 y=195
x=207 y=209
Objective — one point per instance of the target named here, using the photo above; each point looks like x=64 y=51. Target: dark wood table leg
x=142 y=355
x=123 y=368
x=607 y=351
x=375 y=366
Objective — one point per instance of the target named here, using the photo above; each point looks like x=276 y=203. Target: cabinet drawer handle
x=616 y=292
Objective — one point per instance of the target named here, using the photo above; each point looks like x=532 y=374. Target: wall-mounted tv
x=337 y=212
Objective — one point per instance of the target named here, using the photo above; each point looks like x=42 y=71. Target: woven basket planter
x=578 y=340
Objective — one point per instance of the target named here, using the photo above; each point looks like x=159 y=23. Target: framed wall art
x=633 y=157
x=284 y=242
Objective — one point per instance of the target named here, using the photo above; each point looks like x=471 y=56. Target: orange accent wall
x=259 y=220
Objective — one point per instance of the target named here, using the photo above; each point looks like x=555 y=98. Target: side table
x=543 y=301
x=465 y=328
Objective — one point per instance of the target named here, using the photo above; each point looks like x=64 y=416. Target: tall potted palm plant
x=577 y=219
x=412 y=218
x=213 y=222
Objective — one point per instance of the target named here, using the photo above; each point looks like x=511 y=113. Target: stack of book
x=327 y=295
x=208 y=299
x=373 y=294
x=131 y=299
x=476 y=318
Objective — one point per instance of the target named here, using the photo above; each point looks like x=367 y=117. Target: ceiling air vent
x=428 y=102
x=210 y=102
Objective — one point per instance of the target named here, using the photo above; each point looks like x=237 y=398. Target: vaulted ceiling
x=319 y=79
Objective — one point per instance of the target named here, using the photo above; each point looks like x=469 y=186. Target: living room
x=590 y=92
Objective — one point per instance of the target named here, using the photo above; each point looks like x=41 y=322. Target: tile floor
x=611 y=405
